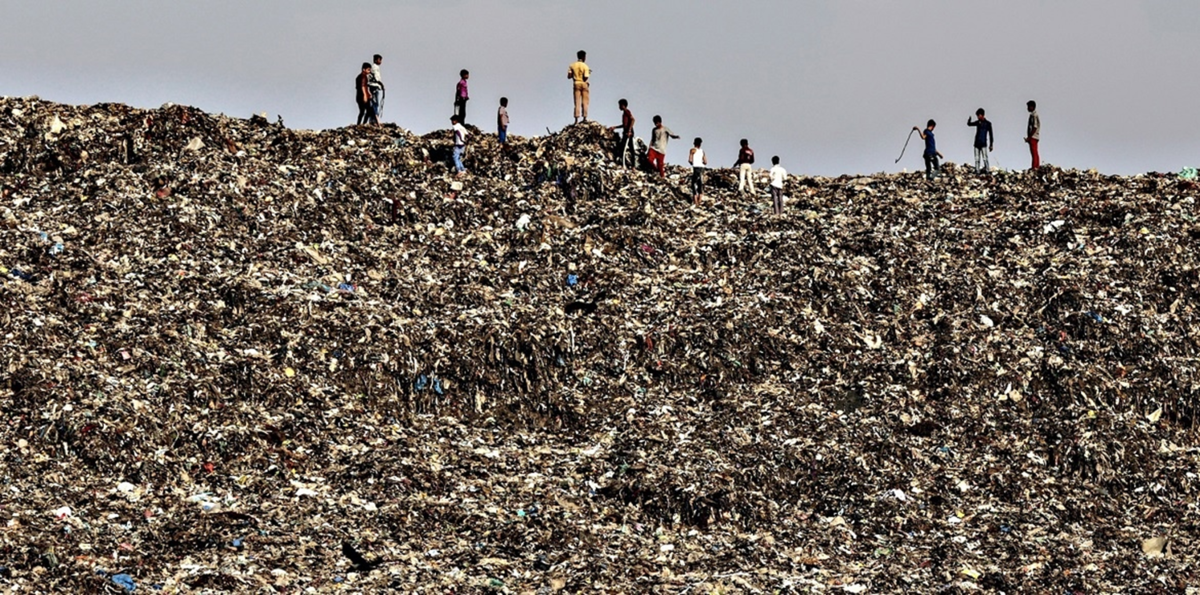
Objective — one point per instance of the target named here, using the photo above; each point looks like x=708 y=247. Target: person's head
x=504 y=102
x=582 y=55
x=745 y=143
x=979 y=113
x=454 y=119
x=930 y=125
x=1031 y=104
x=658 y=120
x=464 y=74
x=775 y=160
x=696 y=143
x=623 y=104
x=366 y=67
x=378 y=59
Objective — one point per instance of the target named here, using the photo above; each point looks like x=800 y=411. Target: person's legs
x=364 y=112
x=578 y=102
x=458 y=164
x=377 y=99
x=978 y=159
x=503 y=135
x=743 y=170
x=656 y=160
x=929 y=167
x=986 y=166
x=777 y=199
x=1033 y=150
x=586 y=98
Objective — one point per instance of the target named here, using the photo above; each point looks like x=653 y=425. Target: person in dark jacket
x=985 y=141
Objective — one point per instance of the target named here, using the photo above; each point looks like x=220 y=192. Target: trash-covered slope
x=242 y=357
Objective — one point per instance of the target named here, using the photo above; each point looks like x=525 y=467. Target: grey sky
x=831 y=86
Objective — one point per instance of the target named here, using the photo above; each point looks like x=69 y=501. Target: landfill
x=239 y=357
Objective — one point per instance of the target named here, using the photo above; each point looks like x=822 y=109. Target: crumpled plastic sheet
x=239 y=357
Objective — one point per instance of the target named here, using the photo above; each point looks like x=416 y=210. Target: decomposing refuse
x=240 y=357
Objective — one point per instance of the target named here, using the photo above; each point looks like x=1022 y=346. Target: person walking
x=362 y=94
x=581 y=75
x=1033 y=133
x=502 y=120
x=627 y=122
x=461 y=96
x=778 y=177
x=460 y=144
x=375 y=84
x=657 y=154
x=932 y=167
x=985 y=141
x=745 y=165
x=699 y=162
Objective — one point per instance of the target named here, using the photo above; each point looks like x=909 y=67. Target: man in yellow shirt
x=580 y=73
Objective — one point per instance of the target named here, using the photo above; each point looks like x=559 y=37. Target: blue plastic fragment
x=437 y=386
x=125 y=582
x=238 y=542
x=422 y=382
x=572 y=280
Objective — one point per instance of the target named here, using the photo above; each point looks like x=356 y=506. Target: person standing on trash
x=627 y=122
x=581 y=75
x=932 y=167
x=461 y=96
x=502 y=120
x=745 y=165
x=1033 y=133
x=375 y=83
x=658 y=146
x=699 y=162
x=460 y=144
x=778 y=177
x=985 y=141
x=362 y=94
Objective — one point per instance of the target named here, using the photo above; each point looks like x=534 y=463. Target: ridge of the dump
x=239 y=357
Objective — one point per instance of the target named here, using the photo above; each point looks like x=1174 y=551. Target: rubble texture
x=243 y=358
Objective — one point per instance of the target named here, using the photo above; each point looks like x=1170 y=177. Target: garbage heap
x=239 y=357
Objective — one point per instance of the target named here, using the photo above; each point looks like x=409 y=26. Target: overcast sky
x=832 y=86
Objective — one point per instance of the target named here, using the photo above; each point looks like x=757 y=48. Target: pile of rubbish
x=239 y=357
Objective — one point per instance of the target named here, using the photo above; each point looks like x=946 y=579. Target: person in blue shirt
x=983 y=139
x=932 y=166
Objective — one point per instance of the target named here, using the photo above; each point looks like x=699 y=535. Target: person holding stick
x=932 y=166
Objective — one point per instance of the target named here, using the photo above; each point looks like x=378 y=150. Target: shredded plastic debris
x=244 y=358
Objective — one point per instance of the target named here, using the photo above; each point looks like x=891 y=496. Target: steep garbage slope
x=244 y=357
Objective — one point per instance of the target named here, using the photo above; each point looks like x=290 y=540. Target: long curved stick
x=910 y=133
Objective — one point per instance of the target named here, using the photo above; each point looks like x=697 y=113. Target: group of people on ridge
x=985 y=140
x=370 y=92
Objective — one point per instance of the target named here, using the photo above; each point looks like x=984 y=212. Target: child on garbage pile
x=627 y=122
x=699 y=162
x=502 y=120
x=745 y=165
x=984 y=140
x=778 y=177
x=362 y=95
x=658 y=146
x=460 y=143
x=461 y=96
x=932 y=167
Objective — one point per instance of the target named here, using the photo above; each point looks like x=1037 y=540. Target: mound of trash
x=239 y=357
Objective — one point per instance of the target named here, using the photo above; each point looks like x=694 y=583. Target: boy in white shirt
x=778 y=177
